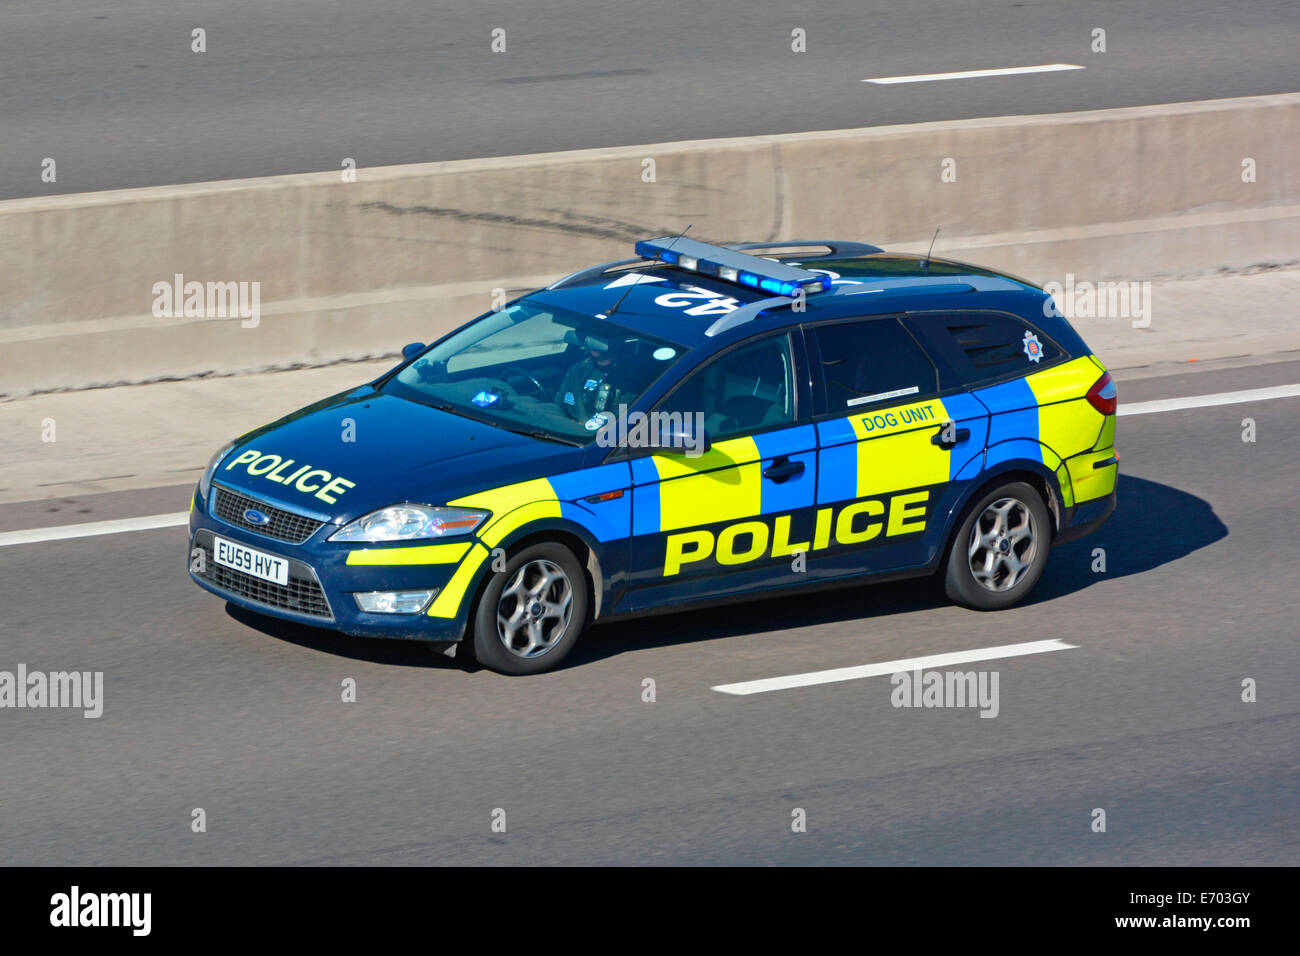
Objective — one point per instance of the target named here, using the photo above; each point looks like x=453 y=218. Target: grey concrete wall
x=350 y=270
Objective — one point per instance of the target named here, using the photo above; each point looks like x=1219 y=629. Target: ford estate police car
x=694 y=425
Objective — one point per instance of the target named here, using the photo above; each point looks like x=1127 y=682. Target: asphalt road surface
x=1143 y=718
x=117 y=97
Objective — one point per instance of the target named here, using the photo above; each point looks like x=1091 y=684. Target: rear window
x=985 y=347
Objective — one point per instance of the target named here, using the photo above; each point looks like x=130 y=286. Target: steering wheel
x=540 y=388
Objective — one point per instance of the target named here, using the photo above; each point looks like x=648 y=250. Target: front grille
x=230 y=506
x=302 y=595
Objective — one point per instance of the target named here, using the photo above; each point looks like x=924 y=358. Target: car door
x=734 y=517
x=895 y=447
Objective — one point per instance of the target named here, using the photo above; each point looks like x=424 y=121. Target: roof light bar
x=732 y=266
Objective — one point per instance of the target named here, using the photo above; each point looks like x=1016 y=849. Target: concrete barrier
x=350 y=270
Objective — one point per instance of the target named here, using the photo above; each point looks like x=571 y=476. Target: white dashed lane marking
x=892 y=667
x=1208 y=401
x=972 y=74
x=91 y=528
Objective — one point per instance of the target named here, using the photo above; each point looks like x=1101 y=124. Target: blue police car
x=696 y=424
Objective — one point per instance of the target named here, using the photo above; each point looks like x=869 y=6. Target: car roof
x=632 y=294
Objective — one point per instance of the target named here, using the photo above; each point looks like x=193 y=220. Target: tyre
x=1000 y=549
x=532 y=614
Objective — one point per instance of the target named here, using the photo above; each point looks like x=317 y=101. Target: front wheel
x=1000 y=549
x=531 y=614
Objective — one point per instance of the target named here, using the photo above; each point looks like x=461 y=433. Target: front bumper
x=321 y=581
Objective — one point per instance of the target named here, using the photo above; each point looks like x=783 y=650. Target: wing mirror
x=412 y=350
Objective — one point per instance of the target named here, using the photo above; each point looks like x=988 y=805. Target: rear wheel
x=531 y=614
x=1000 y=549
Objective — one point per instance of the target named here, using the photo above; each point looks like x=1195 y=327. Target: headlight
x=411 y=523
x=205 y=482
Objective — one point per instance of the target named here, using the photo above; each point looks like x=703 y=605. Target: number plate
x=259 y=564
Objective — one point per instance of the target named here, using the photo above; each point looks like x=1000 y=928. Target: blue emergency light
x=732 y=266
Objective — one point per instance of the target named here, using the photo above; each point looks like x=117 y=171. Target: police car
x=694 y=425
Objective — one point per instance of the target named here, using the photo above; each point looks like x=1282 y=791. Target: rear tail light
x=1103 y=395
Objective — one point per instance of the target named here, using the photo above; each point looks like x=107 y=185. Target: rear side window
x=984 y=347
x=865 y=362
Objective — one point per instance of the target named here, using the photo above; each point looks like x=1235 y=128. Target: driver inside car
x=590 y=386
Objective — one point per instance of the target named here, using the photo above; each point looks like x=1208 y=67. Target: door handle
x=783 y=469
x=961 y=435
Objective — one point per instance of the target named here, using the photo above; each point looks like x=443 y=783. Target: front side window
x=746 y=390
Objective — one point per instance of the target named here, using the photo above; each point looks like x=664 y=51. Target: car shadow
x=1153 y=525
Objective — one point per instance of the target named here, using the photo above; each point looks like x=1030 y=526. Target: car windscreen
x=537 y=369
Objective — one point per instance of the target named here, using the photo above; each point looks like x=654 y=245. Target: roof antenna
x=638 y=278
x=925 y=263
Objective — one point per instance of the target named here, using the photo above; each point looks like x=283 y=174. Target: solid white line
x=92 y=528
x=1206 y=401
x=972 y=74
x=892 y=667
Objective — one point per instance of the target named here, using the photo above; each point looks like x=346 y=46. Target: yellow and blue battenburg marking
x=724 y=486
x=724 y=483
x=1046 y=418
x=868 y=478
x=449 y=553
x=889 y=449
x=513 y=507
x=777 y=537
